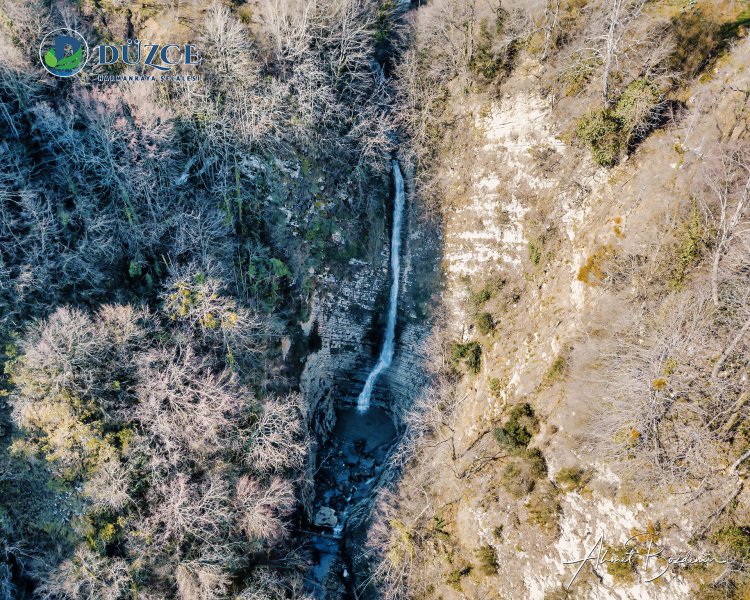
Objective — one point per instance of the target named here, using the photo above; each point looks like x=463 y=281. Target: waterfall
x=386 y=353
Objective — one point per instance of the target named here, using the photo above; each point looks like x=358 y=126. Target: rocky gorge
x=349 y=326
x=398 y=301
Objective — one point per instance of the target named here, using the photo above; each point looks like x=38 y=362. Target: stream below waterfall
x=353 y=456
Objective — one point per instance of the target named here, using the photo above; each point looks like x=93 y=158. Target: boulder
x=326 y=517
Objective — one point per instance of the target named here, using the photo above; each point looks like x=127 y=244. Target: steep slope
x=591 y=375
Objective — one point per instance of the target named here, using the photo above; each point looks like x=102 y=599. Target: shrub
x=485 y=323
x=401 y=544
x=690 y=247
x=557 y=370
x=735 y=541
x=512 y=438
x=439 y=526
x=517 y=432
x=535 y=252
x=495 y=386
x=560 y=593
x=592 y=272
x=384 y=20
x=487 y=560
x=623 y=570
x=635 y=108
x=516 y=479
x=488 y=61
x=454 y=577
x=572 y=478
x=697 y=40
x=609 y=131
x=485 y=61
x=470 y=353
x=601 y=131
x=267 y=275
x=544 y=510
x=724 y=589
x=537 y=463
x=575 y=79
x=480 y=296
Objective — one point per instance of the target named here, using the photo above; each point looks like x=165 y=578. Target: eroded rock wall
x=347 y=321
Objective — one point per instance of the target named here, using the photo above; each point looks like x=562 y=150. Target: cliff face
x=341 y=317
x=345 y=329
x=552 y=247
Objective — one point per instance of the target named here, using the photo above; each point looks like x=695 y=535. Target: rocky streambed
x=351 y=461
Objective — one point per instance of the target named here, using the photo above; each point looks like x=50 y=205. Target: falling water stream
x=354 y=453
x=386 y=353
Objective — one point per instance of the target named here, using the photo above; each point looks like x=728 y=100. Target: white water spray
x=386 y=353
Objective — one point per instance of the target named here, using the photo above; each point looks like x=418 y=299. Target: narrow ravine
x=354 y=454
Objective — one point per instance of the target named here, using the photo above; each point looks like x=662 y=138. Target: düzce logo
x=64 y=52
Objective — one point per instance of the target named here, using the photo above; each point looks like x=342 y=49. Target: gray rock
x=326 y=517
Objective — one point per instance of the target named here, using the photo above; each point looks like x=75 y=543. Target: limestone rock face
x=343 y=313
x=346 y=329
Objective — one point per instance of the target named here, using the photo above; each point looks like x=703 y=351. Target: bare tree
x=187 y=509
x=262 y=508
x=267 y=584
x=200 y=303
x=727 y=176
x=551 y=18
x=109 y=487
x=620 y=43
x=279 y=440
x=184 y=407
x=197 y=580
x=619 y=15
x=394 y=543
x=664 y=414
x=87 y=576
